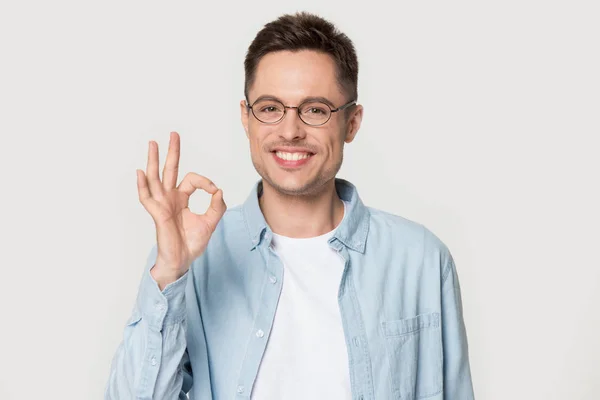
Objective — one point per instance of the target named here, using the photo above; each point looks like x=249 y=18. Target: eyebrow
x=304 y=100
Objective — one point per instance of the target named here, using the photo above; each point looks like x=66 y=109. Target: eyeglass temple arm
x=344 y=106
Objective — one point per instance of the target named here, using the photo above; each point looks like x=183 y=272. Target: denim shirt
x=206 y=333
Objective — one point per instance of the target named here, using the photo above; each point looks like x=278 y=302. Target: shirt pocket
x=414 y=350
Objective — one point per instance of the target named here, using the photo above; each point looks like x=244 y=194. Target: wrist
x=164 y=276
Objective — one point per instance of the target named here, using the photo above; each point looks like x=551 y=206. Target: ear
x=245 y=114
x=353 y=124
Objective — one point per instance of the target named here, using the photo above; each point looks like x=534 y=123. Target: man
x=302 y=292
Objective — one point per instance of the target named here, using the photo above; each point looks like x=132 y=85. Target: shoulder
x=389 y=223
x=233 y=214
x=404 y=228
x=402 y=233
x=228 y=244
x=232 y=226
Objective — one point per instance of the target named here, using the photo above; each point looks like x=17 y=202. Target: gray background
x=481 y=122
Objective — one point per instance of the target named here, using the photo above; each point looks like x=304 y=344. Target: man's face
x=292 y=157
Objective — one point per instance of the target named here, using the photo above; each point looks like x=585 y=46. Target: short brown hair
x=305 y=31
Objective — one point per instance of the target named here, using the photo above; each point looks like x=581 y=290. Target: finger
x=170 y=172
x=152 y=170
x=143 y=190
x=193 y=181
x=216 y=209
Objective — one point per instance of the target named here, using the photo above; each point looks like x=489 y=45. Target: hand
x=181 y=235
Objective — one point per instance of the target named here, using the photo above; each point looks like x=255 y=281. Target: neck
x=302 y=216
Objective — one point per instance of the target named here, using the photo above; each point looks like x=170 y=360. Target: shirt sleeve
x=457 y=372
x=152 y=361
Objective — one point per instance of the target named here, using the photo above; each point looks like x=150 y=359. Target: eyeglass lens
x=270 y=111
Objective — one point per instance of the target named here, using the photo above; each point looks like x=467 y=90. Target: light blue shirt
x=206 y=333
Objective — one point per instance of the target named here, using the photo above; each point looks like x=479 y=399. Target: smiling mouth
x=295 y=156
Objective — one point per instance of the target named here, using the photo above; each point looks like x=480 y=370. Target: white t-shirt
x=306 y=356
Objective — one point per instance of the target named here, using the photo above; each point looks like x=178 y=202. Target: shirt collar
x=352 y=231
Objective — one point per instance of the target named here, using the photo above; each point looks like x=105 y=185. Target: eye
x=269 y=108
x=315 y=110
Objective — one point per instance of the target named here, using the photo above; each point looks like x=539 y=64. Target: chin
x=295 y=185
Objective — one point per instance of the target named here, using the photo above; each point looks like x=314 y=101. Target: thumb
x=217 y=207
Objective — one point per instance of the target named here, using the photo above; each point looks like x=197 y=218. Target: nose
x=291 y=127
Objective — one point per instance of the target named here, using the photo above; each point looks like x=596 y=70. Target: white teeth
x=292 y=156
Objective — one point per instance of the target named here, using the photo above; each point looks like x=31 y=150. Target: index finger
x=193 y=181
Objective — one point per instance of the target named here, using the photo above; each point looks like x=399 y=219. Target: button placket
x=262 y=321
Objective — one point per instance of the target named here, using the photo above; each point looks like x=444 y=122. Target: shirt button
x=240 y=389
x=273 y=279
x=153 y=361
x=260 y=333
x=159 y=307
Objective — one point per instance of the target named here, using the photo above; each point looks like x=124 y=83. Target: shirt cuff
x=161 y=308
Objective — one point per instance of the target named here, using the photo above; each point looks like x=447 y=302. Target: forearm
x=147 y=362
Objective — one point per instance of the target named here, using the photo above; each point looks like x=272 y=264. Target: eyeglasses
x=313 y=113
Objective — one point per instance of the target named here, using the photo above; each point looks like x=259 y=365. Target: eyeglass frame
x=285 y=108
